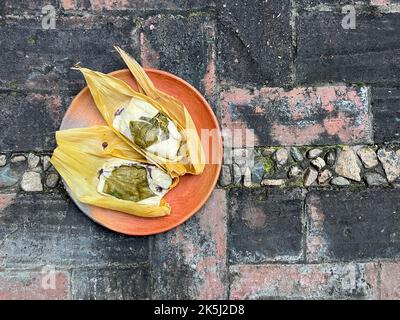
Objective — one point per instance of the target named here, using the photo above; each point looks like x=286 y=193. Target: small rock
x=318 y=163
x=340 y=181
x=31 y=181
x=296 y=154
x=368 y=157
x=324 y=176
x=347 y=166
x=257 y=173
x=3 y=160
x=273 y=182
x=46 y=162
x=247 y=178
x=237 y=175
x=33 y=161
x=294 y=171
x=390 y=162
x=20 y=158
x=241 y=157
x=310 y=175
x=281 y=156
x=313 y=153
x=375 y=179
x=52 y=180
x=225 y=178
x=37 y=169
x=330 y=158
x=7 y=177
x=267 y=152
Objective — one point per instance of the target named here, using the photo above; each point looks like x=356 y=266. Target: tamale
x=102 y=170
x=163 y=134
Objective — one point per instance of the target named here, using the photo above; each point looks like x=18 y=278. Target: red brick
x=190 y=261
x=21 y=6
x=380 y=2
x=6 y=200
x=28 y=285
x=318 y=115
x=390 y=281
x=323 y=281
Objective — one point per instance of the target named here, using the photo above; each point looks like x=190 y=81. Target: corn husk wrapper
x=111 y=94
x=80 y=155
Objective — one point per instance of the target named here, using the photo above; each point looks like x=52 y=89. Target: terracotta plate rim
x=81 y=205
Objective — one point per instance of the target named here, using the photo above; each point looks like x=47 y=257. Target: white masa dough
x=136 y=109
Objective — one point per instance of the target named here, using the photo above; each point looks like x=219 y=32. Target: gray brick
x=111 y=284
x=386 y=111
x=265 y=225
x=189 y=262
x=142 y=5
x=327 y=52
x=180 y=45
x=35 y=58
x=35 y=118
x=353 y=225
x=22 y=6
x=313 y=3
x=38 y=229
x=255 y=42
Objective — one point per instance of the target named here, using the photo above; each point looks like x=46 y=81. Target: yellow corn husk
x=111 y=94
x=80 y=155
x=172 y=107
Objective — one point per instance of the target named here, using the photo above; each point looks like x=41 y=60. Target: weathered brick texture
x=386 y=112
x=135 y=4
x=323 y=281
x=34 y=285
x=35 y=58
x=353 y=225
x=265 y=225
x=317 y=221
x=184 y=46
x=38 y=229
x=390 y=281
x=254 y=42
x=23 y=6
x=301 y=116
x=327 y=52
x=190 y=261
x=127 y=283
x=35 y=118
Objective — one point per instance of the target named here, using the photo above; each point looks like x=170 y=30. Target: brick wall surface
x=316 y=215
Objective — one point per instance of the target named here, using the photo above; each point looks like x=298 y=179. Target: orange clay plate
x=191 y=192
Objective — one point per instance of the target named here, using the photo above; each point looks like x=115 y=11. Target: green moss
x=13 y=85
x=269 y=166
x=31 y=40
x=295 y=183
